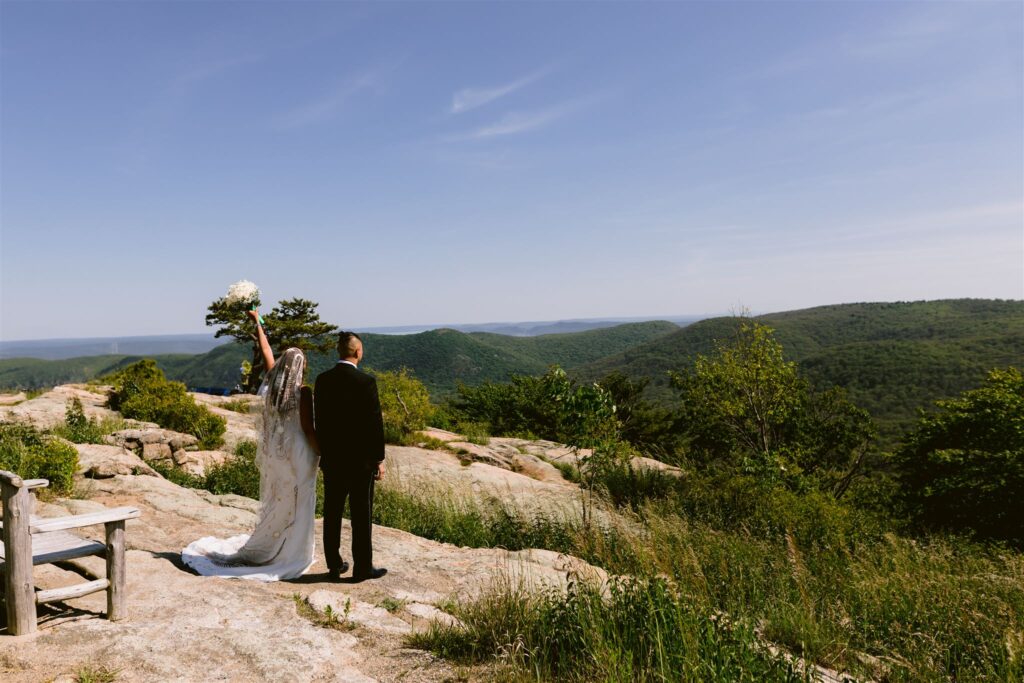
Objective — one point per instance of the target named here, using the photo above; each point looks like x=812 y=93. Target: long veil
x=281 y=545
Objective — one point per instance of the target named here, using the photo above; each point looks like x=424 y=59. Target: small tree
x=746 y=406
x=292 y=323
x=963 y=467
x=404 y=402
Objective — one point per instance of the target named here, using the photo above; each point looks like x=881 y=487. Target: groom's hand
x=379 y=474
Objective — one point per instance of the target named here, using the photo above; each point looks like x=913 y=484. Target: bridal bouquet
x=243 y=295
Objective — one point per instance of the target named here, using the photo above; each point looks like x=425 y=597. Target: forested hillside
x=891 y=357
x=440 y=358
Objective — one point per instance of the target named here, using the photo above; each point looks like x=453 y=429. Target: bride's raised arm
x=261 y=336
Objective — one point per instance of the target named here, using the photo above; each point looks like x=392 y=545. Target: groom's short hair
x=348 y=344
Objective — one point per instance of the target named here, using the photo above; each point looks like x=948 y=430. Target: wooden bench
x=29 y=540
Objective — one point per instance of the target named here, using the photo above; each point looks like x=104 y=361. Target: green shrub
x=550 y=407
x=140 y=391
x=77 y=428
x=238 y=474
x=962 y=468
x=475 y=432
x=31 y=454
x=405 y=405
x=176 y=475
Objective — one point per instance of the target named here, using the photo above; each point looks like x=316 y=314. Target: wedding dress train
x=281 y=545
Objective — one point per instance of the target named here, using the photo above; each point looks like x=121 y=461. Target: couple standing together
x=338 y=424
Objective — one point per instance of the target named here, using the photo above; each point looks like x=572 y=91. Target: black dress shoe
x=335 y=573
x=372 y=573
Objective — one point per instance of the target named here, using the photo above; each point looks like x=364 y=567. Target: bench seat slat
x=40 y=526
x=58 y=546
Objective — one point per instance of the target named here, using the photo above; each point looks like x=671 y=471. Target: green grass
x=822 y=581
x=327 y=619
x=643 y=630
x=92 y=673
x=237 y=406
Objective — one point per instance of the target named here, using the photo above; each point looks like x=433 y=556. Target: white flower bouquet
x=244 y=295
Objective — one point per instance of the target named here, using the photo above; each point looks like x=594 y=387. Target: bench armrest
x=42 y=526
x=12 y=479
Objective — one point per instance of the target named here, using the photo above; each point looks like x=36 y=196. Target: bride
x=281 y=545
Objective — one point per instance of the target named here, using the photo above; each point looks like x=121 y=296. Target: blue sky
x=468 y=162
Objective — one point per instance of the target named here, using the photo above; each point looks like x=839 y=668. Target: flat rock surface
x=48 y=410
x=184 y=627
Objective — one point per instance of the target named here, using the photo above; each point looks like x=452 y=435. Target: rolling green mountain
x=440 y=358
x=892 y=358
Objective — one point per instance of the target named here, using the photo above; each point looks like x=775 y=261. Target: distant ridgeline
x=892 y=358
x=440 y=358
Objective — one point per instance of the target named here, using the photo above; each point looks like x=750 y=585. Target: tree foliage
x=644 y=424
x=552 y=406
x=292 y=323
x=141 y=392
x=963 y=467
x=746 y=407
x=404 y=402
x=33 y=454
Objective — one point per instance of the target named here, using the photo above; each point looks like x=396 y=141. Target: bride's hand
x=254 y=314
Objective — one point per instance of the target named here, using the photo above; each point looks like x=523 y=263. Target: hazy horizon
x=379 y=329
x=404 y=164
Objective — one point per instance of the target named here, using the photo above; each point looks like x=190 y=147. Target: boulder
x=137 y=439
x=198 y=463
x=156 y=451
x=98 y=461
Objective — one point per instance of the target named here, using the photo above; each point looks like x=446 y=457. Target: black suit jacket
x=347 y=419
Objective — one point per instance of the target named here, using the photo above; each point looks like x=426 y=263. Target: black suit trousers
x=357 y=487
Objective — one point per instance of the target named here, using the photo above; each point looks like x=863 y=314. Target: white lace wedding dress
x=281 y=545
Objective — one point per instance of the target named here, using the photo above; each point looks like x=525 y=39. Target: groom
x=350 y=431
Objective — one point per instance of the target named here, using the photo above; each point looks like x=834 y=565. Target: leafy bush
x=550 y=407
x=647 y=426
x=405 y=404
x=31 y=454
x=140 y=391
x=239 y=474
x=176 y=475
x=77 y=428
x=963 y=468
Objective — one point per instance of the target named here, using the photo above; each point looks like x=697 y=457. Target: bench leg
x=19 y=591
x=117 y=605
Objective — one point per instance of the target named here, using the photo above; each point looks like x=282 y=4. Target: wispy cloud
x=329 y=104
x=516 y=122
x=471 y=98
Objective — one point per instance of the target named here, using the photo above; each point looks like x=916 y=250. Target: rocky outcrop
x=12 y=399
x=48 y=410
x=189 y=628
x=241 y=426
x=98 y=461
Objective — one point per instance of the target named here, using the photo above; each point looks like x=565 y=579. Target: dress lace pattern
x=281 y=545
